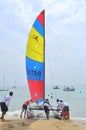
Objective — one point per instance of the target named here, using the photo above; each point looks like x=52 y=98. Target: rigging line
x=50 y=66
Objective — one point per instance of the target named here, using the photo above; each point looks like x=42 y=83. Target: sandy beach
x=42 y=124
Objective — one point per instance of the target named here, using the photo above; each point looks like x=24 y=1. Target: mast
x=44 y=54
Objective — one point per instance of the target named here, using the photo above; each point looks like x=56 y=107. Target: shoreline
x=51 y=124
x=16 y=114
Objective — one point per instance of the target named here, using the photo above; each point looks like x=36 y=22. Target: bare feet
x=2 y=119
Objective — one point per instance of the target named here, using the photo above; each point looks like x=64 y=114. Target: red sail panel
x=36 y=89
x=40 y=18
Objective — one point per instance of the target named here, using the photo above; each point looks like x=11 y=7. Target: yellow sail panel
x=35 y=46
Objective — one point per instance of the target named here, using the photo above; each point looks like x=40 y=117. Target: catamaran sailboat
x=4 y=85
x=35 y=61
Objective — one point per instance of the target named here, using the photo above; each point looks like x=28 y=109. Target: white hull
x=69 y=89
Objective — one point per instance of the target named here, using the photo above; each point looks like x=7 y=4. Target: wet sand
x=42 y=124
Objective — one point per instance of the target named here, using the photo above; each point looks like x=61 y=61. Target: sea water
x=76 y=99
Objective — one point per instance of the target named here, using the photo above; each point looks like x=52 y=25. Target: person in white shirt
x=65 y=109
x=4 y=103
x=64 y=106
x=58 y=105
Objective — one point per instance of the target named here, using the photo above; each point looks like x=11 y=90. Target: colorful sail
x=35 y=59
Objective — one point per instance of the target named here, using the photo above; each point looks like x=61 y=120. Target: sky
x=65 y=40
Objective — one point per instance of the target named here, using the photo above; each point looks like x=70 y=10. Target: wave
x=12 y=114
x=37 y=113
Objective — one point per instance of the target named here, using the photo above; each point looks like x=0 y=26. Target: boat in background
x=68 y=88
x=4 y=88
x=56 y=87
x=14 y=86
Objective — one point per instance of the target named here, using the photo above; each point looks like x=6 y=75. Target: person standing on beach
x=65 y=109
x=24 y=107
x=46 y=106
x=4 y=103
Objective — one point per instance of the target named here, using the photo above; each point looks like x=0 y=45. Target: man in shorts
x=4 y=103
x=24 y=107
